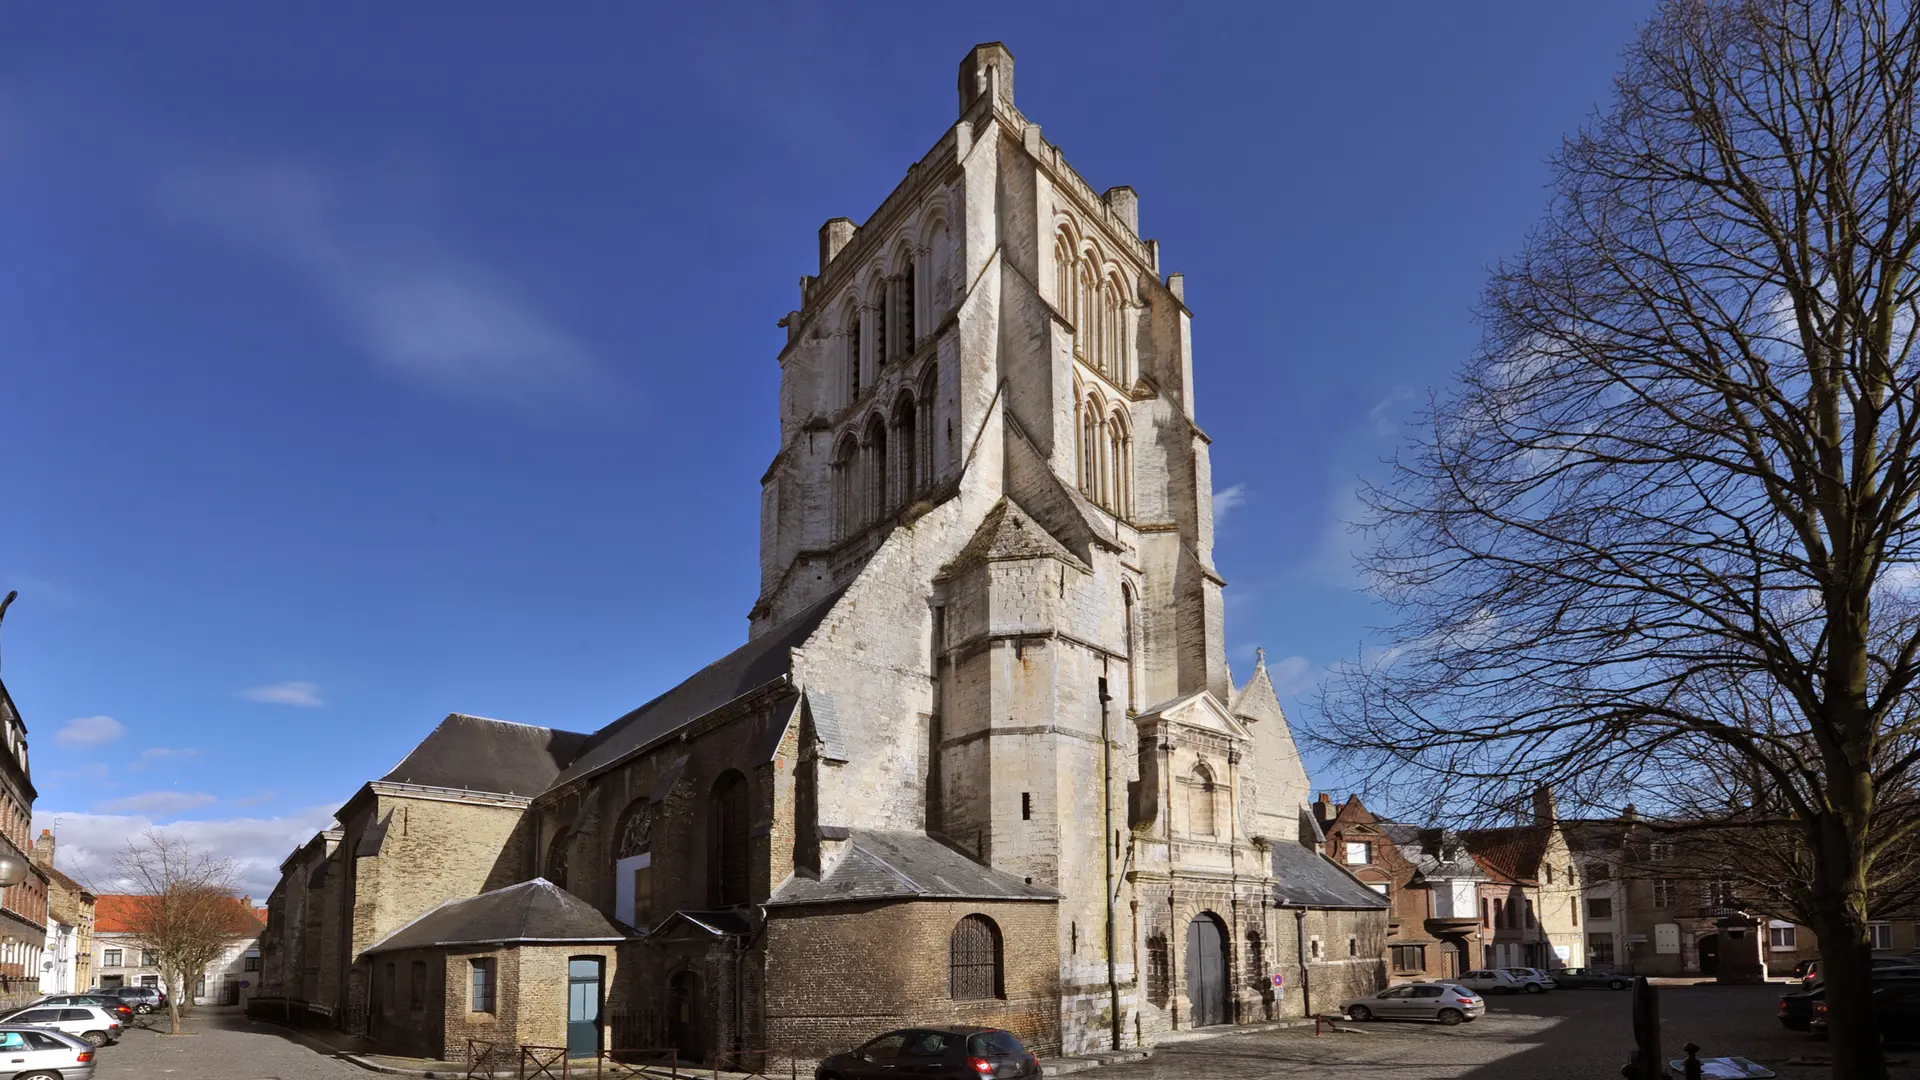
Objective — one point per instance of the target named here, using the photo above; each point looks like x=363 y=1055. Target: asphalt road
x=1564 y=1035
x=224 y=1045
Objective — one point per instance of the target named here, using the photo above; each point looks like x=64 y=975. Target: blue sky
x=361 y=363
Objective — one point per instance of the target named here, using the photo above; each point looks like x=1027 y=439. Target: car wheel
x=95 y=1038
x=38 y=1076
x=1535 y=988
x=143 y=1008
x=1360 y=1012
x=1450 y=1017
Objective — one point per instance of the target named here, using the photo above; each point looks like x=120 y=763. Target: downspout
x=1233 y=866
x=1306 y=974
x=1107 y=844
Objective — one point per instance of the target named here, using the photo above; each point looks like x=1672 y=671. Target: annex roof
x=759 y=662
x=528 y=913
x=474 y=753
x=904 y=865
x=1305 y=878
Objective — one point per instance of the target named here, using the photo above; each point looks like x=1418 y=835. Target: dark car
x=937 y=1053
x=109 y=1002
x=1592 y=978
x=144 y=999
x=1896 y=1011
x=1796 y=1010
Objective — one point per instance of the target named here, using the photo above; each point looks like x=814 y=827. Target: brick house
x=120 y=957
x=1426 y=876
x=980 y=755
x=68 y=964
x=23 y=907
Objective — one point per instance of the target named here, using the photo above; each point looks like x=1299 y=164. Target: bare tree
x=1664 y=531
x=184 y=912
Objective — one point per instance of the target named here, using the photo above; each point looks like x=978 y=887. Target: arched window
x=929 y=383
x=727 y=841
x=853 y=355
x=557 y=858
x=1126 y=602
x=636 y=830
x=1115 y=319
x=1119 y=465
x=846 y=488
x=973 y=960
x=1063 y=273
x=1086 y=308
x=876 y=469
x=906 y=445
x=1200 y=795
x=880 y=328
x=1090 y=440
x=906 y=309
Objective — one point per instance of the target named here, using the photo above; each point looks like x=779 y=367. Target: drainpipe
x=1106 y=843
x=1306 y=976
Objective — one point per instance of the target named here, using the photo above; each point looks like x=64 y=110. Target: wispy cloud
x=92 y=772
x=91 y=731
x=304 y=694
x=411 y=301
x=256 y=798
x=88 y=842
x=1227 y=500
x=154 y=755
x=1291 y=675
x=157 y=802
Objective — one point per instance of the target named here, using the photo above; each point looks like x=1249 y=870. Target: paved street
x=225 y=1046
x=1565 y=1035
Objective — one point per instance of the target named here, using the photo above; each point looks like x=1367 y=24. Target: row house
x=23 y=906
x=1431 y=884
x=121 y=956
x=67 y=967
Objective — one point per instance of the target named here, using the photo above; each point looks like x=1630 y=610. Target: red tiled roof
x=119 y=914
x=1511 y=854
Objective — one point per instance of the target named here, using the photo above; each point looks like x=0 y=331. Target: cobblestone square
x=224 y=1045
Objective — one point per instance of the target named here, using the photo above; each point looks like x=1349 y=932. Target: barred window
x=973 y=964
x=1157 y=970
x=482 y=985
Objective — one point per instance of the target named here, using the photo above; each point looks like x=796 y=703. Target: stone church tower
x=980 y=759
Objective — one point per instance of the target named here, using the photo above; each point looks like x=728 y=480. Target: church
x=980 y=759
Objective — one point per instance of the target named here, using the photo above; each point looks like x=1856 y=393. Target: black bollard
x=1645 y=1063
x=1691 y=1065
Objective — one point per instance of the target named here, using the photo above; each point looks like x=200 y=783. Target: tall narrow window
x=1114 y=317
x=1063 y=274
x=877 y=492
x=1126 y=600
x=973 y=960
x=481 y=999
x=1200 y=795
x=1120 y=465
x=1086 y=309
x=1090 y=450
x=853 y=356
x=929 y=382
x=880 y=330
x=846 y=470
x=906 y=329
x=906 y=445
x=727 y=841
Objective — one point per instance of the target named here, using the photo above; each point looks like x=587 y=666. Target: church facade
x=980 y=760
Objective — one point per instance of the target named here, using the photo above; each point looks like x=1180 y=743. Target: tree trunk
x=1846 y=954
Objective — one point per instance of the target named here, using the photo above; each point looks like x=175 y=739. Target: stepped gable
x=904 y=865
x=760 y=662
x=474 y=753
x=530 y=912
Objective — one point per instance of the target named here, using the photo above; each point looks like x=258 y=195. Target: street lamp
x=13 y=870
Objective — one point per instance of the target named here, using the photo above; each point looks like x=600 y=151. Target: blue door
x=583 y=1006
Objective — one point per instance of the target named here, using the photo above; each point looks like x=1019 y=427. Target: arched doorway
x=1206 y=971
x=688 y=1022
x=1451 y=958
x=1710 y=954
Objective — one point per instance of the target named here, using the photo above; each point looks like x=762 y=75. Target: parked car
x=144 y=999
x=29 y=1053
x=938 y=1053
x=90 y=1022
x=1881 y=965
x=1896 y=1009
x=121 y=1010
x=1498 y=981
x=1591 y=978
x=1523 y=974
x=1448 y=1003
x=1796 y=1010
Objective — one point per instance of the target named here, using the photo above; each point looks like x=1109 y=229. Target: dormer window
x=1359 y=853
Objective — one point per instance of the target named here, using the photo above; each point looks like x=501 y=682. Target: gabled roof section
x=1198 y=709
x=473 y=753
x=531 y=912
x=761 y=661
x=1006 y=534
x=1435 y=853
x=1305 y=878
x=1511 y=854
x=904 y=866
x=1257 y=700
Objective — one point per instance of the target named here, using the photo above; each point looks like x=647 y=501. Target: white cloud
x=1292 y=675
x=1227 y=500
x=158 y=802
x=91 y=731
x=256 y=798
x=411 y=302
x=304 y=694
x=92 y=772
x=87 y=843
x=154 y=755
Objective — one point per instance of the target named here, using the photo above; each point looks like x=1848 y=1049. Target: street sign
x=1279 y=981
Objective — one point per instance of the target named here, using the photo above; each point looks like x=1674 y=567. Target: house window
x=727 y=840
x=1600 y=907
x=1599 y=949
x=150 y=981
x=1665 y=892
x=1380 y=887
x=1486 y=919
x=636 y=830
x=252 y=962
x=973 y=960
x=417 y=985
x=1353 y=946
x=149 y=958
x=113 y=958
x=1781 y=936
x=1719 y=893
x=1660 y=851
x=1409 y=957
x=1599 y=871
x=1549 y=873
x=1315 y=948
x=1528 y=904
x=1880 y=935
x=1573 y=909
x=1499 y=912
x=1026 y=805
x=1359 y=853
x=482 y=972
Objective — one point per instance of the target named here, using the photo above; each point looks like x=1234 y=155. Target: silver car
x=36 y=1053
x=1444 y=1002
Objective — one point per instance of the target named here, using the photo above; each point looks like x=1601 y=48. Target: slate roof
x=473 y=753
x=1434 y=852
x=1303 y=877
x=905 y=865
x=763 y=660
x=532 y=912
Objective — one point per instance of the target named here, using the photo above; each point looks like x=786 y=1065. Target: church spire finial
x=1259 y=658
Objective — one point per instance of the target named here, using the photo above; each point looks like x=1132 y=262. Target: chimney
x=1125 y=204
x=43 y=848
x=834 y=235
x=1631 y=813
x=1545 y=811
x=988 y=66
